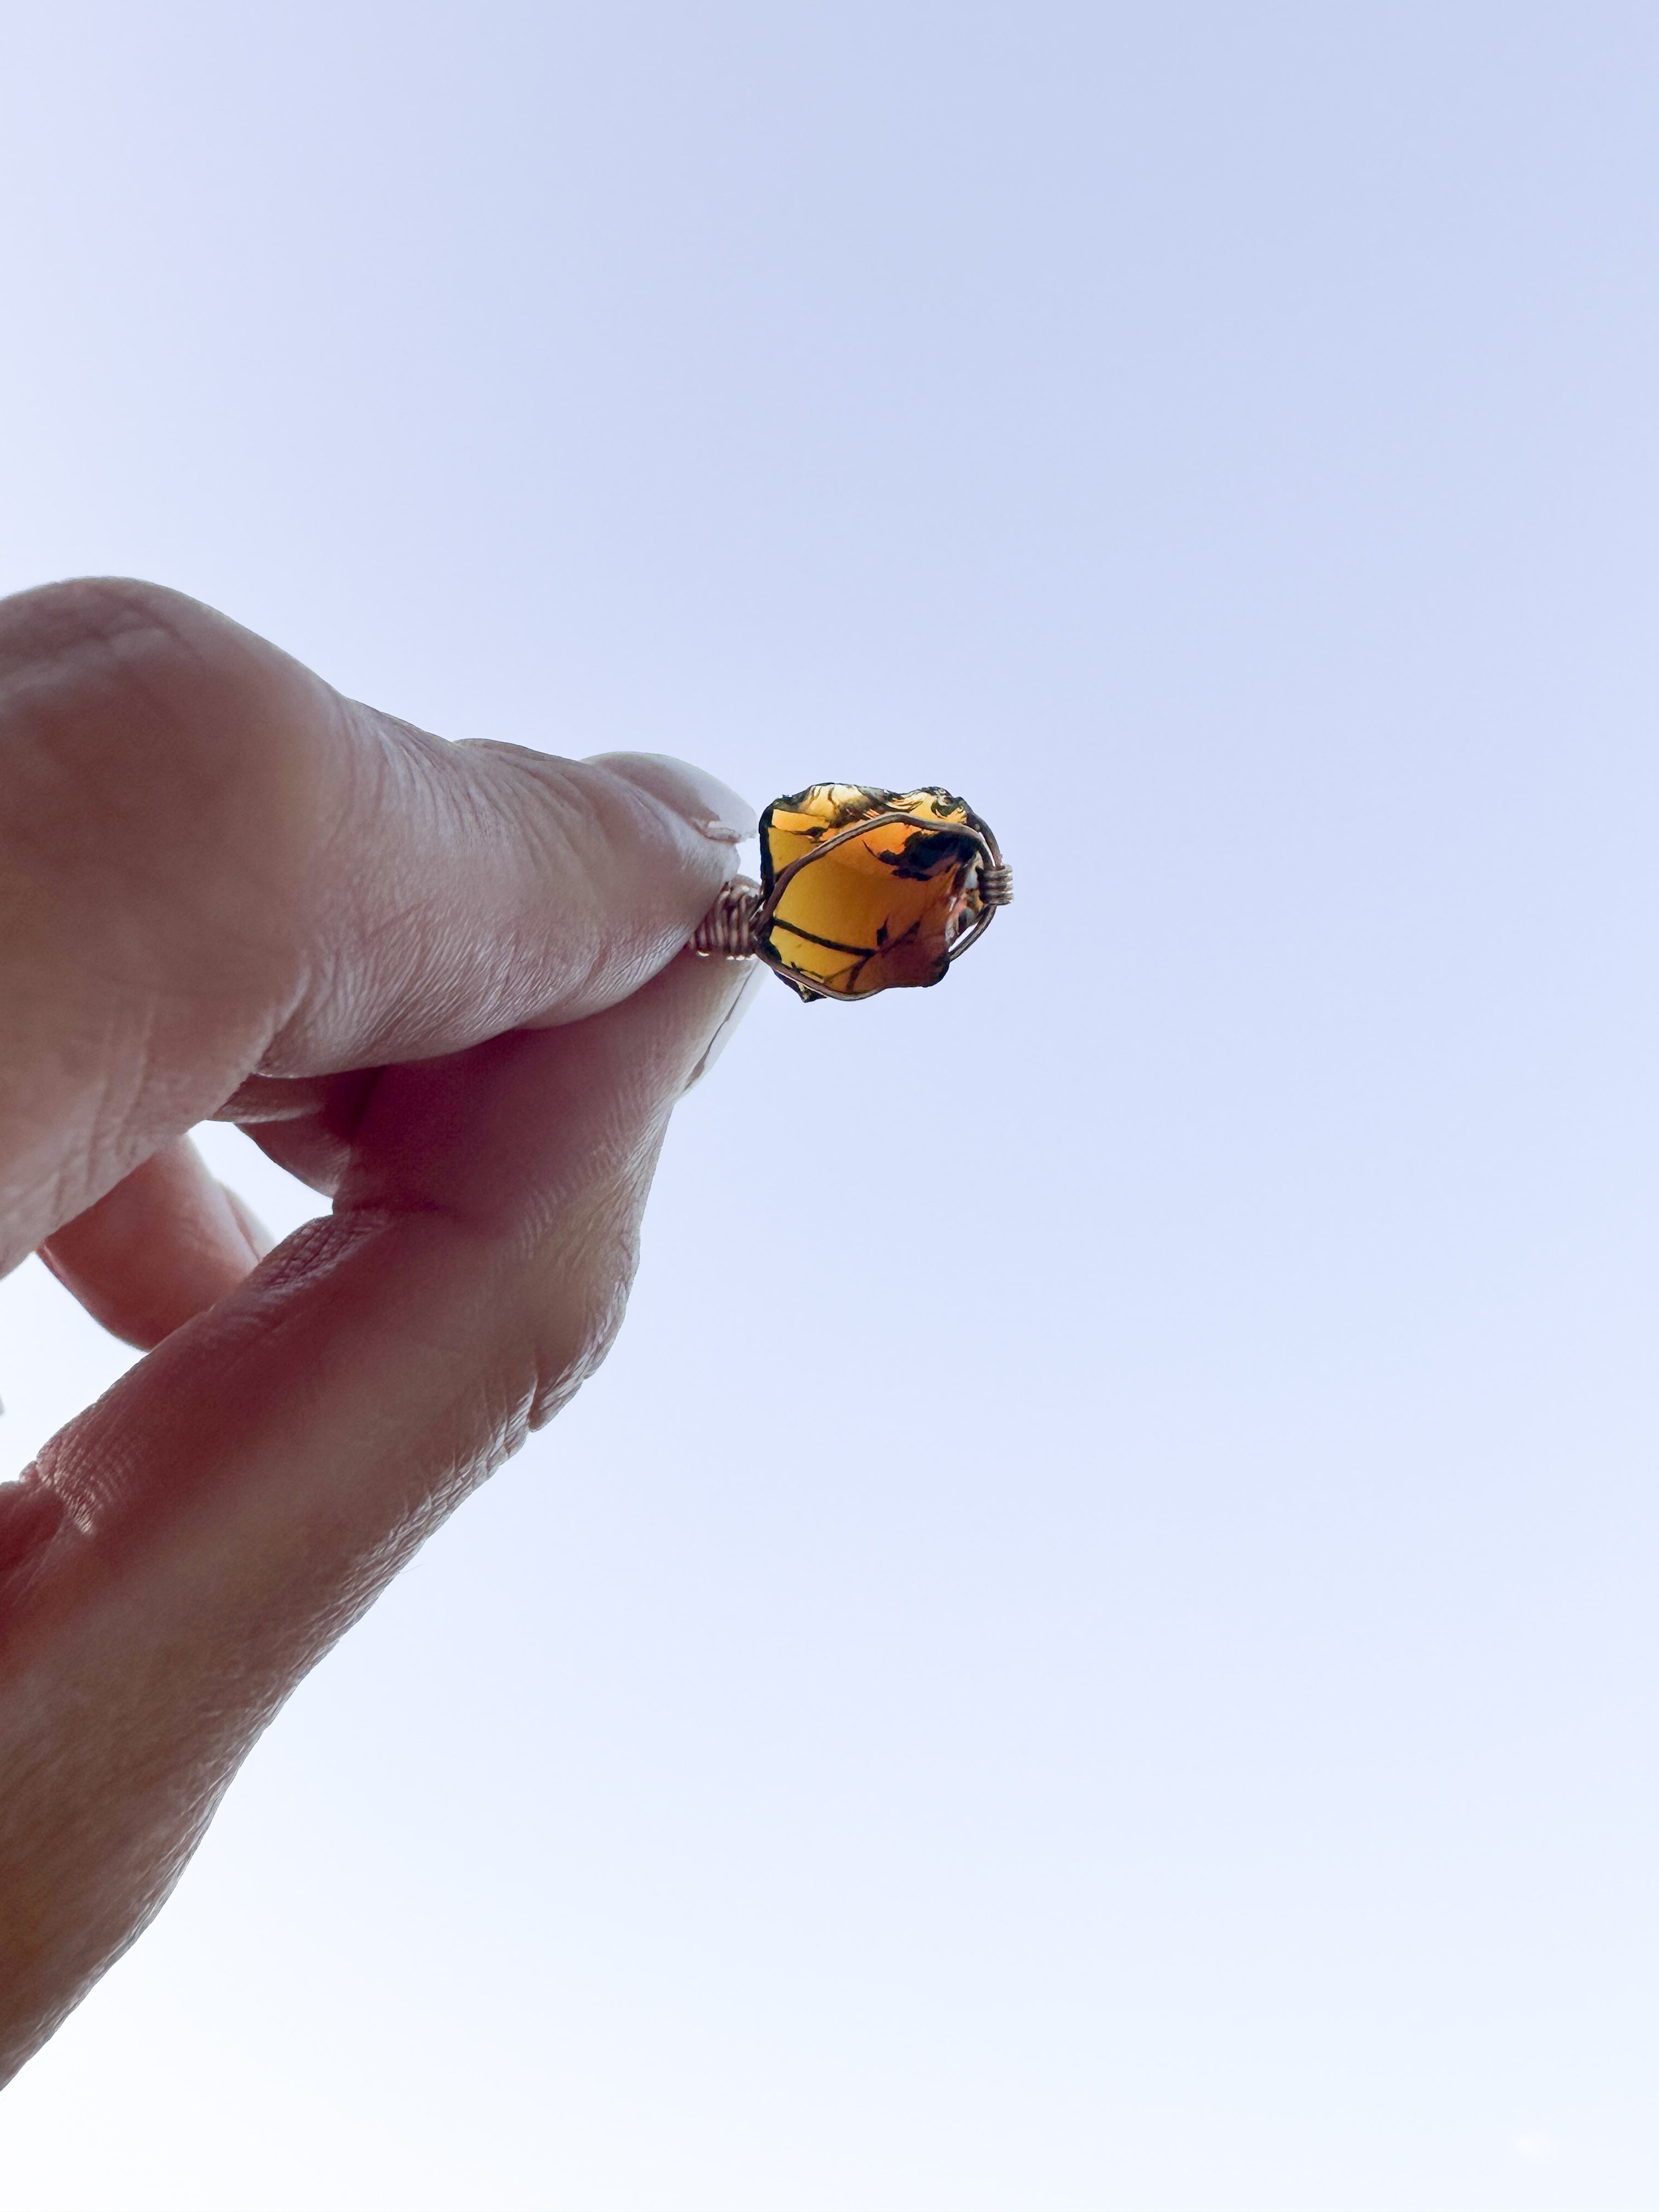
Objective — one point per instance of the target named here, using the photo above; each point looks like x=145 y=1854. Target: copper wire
x=728 y=928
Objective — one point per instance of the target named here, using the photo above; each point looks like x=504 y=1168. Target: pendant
x=861 y=891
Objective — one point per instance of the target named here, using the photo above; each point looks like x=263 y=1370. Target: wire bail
x=728 y=928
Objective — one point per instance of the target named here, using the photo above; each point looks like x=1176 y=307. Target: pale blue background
x=1201 y=1755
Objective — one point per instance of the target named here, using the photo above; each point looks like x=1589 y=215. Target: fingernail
x=722 y=1036
x=695 y=796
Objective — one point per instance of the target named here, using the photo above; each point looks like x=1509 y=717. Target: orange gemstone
x=875 y=911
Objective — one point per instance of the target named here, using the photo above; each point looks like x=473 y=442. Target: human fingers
x=184 y=1552
x=212 y=866
x=169 y=1239
x=161 y=1247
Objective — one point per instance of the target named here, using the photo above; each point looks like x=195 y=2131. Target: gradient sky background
x=1095 y=1645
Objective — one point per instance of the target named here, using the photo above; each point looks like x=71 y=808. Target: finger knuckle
x=145 y=739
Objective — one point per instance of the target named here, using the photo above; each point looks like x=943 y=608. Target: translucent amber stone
x=881 y=910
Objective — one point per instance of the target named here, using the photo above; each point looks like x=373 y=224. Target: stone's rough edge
x=867 y=798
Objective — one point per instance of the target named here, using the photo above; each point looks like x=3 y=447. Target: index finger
x=212 y=866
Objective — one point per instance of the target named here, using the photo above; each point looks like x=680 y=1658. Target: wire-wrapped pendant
x=861 y=891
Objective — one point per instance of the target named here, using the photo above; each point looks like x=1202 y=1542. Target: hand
x=439 y=982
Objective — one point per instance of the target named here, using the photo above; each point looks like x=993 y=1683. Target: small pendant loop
x=728 y=928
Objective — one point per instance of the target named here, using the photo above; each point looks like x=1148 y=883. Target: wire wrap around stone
x=728 y=930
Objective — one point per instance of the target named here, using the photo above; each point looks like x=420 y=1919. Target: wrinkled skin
x=443 y=983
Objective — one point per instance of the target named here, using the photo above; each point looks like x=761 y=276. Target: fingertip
x=744 y=980
x=166 y=1242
